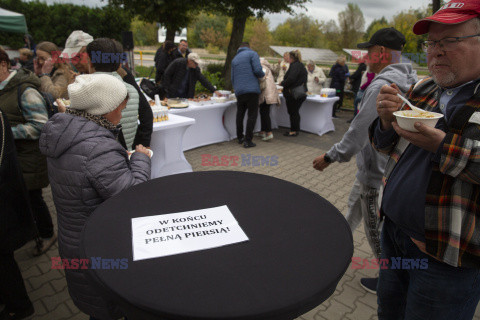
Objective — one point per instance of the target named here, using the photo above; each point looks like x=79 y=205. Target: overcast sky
x=372 y=9
x=321 y=9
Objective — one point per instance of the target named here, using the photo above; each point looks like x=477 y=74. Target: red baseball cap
x=454 y=12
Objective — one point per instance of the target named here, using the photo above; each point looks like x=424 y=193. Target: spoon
x=409 y=104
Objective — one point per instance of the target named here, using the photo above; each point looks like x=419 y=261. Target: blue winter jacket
x=246 y=70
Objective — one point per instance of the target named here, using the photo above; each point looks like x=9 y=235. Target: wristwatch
x=327 y=158
x=44 y=74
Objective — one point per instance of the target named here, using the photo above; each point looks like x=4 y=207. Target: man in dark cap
x=431 y=200
x=384 y=50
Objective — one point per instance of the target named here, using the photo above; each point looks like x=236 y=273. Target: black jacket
x=145 y=115
x=338 y=75
x=162 y=61
x=174 y=75
x=177 y=54
x=296 y=75
x=16 y=222
x=356 y=77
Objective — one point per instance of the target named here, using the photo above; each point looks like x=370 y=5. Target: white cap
x=194 y=57
x=97 y=94
x=75 y=42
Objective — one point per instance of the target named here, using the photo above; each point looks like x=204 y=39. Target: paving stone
x=38 y=281
x=59 y=313
x=336 y=310
x=348 y=296
x=51 y=302
x=45 y=290
x=39 y=308
x=72 y=307
x=362 y=312
x=79 y=316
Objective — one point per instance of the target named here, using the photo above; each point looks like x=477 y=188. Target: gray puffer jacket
x=86 y=166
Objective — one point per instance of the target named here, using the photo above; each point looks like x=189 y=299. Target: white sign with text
x=174 y=233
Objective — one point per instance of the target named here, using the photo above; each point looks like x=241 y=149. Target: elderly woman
x=339 y=74
x=316 y=77
x=86 y=166
x=295 y=79
x=268 y=96
x=54 y=76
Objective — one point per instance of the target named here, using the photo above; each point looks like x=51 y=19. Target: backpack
x=47 y=97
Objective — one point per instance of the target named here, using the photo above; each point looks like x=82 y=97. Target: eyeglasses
x=445 y=44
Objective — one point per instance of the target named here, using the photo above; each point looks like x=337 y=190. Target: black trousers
x=293 y=108
x=338 y=104
x=12 y=288
x=41 y=213
x=265 y=117
x=247 y=101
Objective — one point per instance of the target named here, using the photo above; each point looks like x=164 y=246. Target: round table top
x=299 y=248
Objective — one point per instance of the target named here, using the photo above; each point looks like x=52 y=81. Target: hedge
x=55 y=22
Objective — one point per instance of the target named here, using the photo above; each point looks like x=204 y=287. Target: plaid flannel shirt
x=452 y=205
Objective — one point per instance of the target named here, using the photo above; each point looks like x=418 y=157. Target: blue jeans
x=356 y=101
x=438 y=292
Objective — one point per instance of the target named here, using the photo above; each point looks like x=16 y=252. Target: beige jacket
x=269 y=92
x=57 y=84
x=312 y=85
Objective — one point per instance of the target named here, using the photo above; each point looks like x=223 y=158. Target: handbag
x=151 y=89
x=299 y=92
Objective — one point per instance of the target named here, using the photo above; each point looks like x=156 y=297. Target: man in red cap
x=431 y=197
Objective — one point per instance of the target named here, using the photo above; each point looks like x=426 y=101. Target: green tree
x=173 y=15
x=261 y=38
x=301 y=31
x=62 y=19
x=144 y=33
x=352 y=24
x=403 y=22
x=239 y=11
x=204 y=21
x=374 y=26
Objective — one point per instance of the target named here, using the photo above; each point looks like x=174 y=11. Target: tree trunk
x=236 y=38
x=435 y=5
x=170 y=34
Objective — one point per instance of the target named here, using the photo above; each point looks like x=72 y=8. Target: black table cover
x=300 y=246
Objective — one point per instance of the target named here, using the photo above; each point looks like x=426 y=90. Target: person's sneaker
x=241 y=140
x=369 y=284
x=249 y=144
x=24 y=314
x=46 y=244
x=269 y=137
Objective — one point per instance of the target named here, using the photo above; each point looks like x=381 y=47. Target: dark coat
x=176 y=54
x=175 y=74
x=87 y=166
x=356 y=77
x=16 y=221
x=296 y=76
x=338 y=75
x=145 y=116
x=162 y=61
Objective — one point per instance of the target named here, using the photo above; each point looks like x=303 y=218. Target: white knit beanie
x=97 y=94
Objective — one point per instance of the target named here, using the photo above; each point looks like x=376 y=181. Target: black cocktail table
x=300 y=246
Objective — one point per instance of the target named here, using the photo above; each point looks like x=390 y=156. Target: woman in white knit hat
x=86 y=166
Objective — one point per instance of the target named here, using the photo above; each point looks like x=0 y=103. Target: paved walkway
x=47 y=288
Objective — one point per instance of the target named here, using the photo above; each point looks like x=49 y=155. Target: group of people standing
x=87 y=148
x=253 y=81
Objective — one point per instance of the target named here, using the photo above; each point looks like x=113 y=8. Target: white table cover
x=315 y=115
x=208 y=127
x=167 y=146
